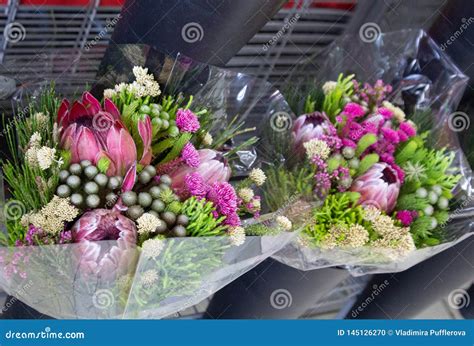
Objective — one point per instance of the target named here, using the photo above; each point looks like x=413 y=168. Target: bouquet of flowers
x=380 y=162
x=121 y=204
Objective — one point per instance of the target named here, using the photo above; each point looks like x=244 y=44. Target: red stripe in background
x=347 y=6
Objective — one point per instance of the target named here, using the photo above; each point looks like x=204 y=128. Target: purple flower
x=405 y=217
x=187 y=121
x=190 y=155
x=385 y=112
x=379 y=186
x=195 y=185
x=407 y=129
x=223 y=196
x=353 y=110
x=310 y=126
x=390 y=135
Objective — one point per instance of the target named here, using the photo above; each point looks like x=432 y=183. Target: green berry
x=75 y=169
x=182 y=220
x=162 y=227
x=101 y=180
x=354 y=163
x=437 y=189
x=91 y=188
x=135 y=211
x=73 y=181
x=92 y=201
x=157 y=122
x=179 y=231
x=144 y=199
x=432 y=197
x=114 y=183
x=129 y=198
x=421 y=193
x=165 y=124
x=145 y=109
x=155 y=112
x=164 y=115
x=77 y=199
x=158 y=205
x=429 y=210
x=63 y=176
x=348 y=152
x=150 y=170
x=165 y=179
x=154 y=213
x=443 y=203
x=169 y=218
x=85 y=163
x=434 y=223
x=144 y=177
x=91 y=171
x=111 y=198
x=63 y=191
x=173 y=131
x=155 y=192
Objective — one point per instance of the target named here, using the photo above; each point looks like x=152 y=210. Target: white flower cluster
x=40 y=156
x=346 y=237
x=284 y=223
x=317 y=147
x=237 y=235
x=149 y=278
x=246 y=194
x=147 y=223
x=152 y=248
x=143 y=86
x=257 y=176
x=329 y=87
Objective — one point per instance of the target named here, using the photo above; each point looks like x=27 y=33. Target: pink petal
x=77 y=111
x=121 y=148
x=86 y=146
x=145 y=131
x=90 y=103
x=111 y=108
x=130 y=178
x=63 y=113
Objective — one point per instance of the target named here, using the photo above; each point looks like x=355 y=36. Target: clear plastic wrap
x=112 y=279
x=423 y=78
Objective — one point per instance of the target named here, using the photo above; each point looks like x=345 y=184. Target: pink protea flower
x=213 y=168
x=102 y=258
x=307 y=127
x=379 y=186
x=92 y=133
x=187 y=121
x=190 y=155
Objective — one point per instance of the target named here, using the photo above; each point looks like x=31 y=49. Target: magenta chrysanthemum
x=353 y=110
x=232 y=220
x=187 y=121
x=348 y=143
x=405 y=217
x=390 y=135
x=190 y=155
x=400 y=172
x=385 y=112
x=408 y=129
x=224 y=198
x=195 y=185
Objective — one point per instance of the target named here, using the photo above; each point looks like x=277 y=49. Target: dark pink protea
x=92 y=133
x=96 y=226
x=379 y=187
x=307 y=127
x=213 y=168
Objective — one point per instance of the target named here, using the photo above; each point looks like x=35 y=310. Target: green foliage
x=307 y=98
x=334 y=101
x=365 y=142
x=411 y=202
x=174 y=207
x=283 y=183
x=167 y=196
x=202 y=222
x=367 y=162
x=178 y=145
x=260 y=229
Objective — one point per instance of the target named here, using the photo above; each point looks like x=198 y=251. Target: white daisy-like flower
x=317 y=147
x=46 y=157
x=398 y=113
x=257 y=176
x=207 y=140
x=35 y=140
x=329 y=87
x=237 y=235
x=152 y=248
x=109 y=93
x=246 y=194
x=149 y=277
x=284 y=223
x=147 y=223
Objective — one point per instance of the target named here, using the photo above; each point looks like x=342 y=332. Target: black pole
x=273 y=290
x=210 y=31
x=404 y=295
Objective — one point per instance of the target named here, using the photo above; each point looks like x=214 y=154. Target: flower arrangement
x=376 y=181
x=134 y=166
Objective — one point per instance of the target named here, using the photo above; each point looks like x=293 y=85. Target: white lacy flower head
x=246 y=194
x=398 y=113
x=121 y=87
x=149 y=277
x=329 y=87
x=152 y=248
x=317 y=147
x=109 y=93
x=46 y=157
x=284 y=223
x=35 y=140
x=52 y=217
x=207 y=140
x=136 y=89
x=147 y=223
x=31 y=156
x=141 y=74
x=237 y=235
x=257 y=176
